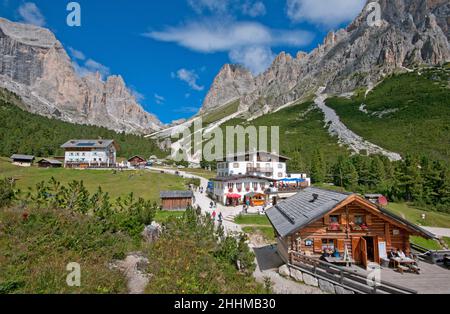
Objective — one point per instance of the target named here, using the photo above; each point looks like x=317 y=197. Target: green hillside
x=407 y=113
x=27 y=133
x=302 y=134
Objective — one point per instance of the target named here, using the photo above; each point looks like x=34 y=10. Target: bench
x=401 y=269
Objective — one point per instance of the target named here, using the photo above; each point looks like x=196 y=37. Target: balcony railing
x=260 y=169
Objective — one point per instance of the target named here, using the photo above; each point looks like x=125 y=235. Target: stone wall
x=311 y=280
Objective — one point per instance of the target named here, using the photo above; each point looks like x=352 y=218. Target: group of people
x=219 y=216
x=398 y=253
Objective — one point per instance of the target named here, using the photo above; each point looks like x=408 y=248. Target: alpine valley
x=366 y=89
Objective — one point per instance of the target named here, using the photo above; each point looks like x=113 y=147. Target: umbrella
x=292 y=180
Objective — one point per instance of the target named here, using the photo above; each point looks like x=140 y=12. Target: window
x=230 y=187
x=359 y=220
x=239 y=187
x=255 y=186
x=267 y=165
x=280 y=166
x=334 y=219
x=328 y=244
x=280 y=175
x=236 y=165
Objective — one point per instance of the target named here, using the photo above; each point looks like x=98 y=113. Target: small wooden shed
x=176 y=200
x=22 y=160
x=49 y=163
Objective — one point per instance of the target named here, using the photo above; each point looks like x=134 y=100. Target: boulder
x=310 y=280
x=152 y=233
x=340 y=290
x=326 y=286
x=296 y=275
x=284 y=271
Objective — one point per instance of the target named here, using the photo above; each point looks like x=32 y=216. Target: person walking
x=214 y=214
x=220 y=217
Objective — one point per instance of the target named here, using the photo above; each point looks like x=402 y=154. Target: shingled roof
x=22 y=157
x=301 y=209
x=311 y=204
x=88 y=144
x=176 y=194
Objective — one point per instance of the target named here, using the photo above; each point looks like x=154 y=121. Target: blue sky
x=169 y=51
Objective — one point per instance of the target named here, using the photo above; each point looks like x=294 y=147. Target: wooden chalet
x=315 y=220
x=137 y=161
x=176 y=200
x=22 y=160
x=49 y=163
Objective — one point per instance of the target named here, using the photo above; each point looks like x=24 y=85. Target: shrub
x=7 y=193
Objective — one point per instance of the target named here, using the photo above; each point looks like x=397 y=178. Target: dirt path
x=133 y=266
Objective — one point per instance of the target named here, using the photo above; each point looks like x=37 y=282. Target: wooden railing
x=348 y=279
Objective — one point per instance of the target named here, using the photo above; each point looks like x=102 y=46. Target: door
x=363 y=246
x=356 y=249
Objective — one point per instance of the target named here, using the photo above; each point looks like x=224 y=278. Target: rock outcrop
x=411 y=33
x=35 y=66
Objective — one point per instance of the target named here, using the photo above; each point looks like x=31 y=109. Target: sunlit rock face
x=35 y=66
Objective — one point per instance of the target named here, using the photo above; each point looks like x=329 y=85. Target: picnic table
x=404 y=264
x=340 y=261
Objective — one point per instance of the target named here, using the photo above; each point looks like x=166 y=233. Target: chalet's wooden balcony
x=336 y=227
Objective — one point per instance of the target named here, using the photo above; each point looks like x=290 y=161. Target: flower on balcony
x=334 y=227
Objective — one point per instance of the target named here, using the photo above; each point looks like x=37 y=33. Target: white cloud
x=256 y=58
x=254 y=9
x=30 y=14
x=91 y=67
x=326 y=13
x=218 y=36
x=190 y=77
x=159 y=99
x=76 y=54
x=241 y=40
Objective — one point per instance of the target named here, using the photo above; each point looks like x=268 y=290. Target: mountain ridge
x=35 y=66
x=411 y=33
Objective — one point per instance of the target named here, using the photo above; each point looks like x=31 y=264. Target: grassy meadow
x=142 y=183
x=401 y=111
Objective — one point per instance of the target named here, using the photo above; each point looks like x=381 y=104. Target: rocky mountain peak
x=35 y=66
x=232 y=82
x=411 y=33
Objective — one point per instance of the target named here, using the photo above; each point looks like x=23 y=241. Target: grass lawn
x=447 y=241
x=266 y=232
x=256 y=224
x=414 y=215
x=200 y=172
x=429 y=244
x=142 y=183
x=261 y=220
x=163 y=215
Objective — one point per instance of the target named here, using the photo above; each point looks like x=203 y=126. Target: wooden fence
x=345 y=278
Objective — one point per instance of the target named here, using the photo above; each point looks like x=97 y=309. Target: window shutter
x=369 y=219
x=318 y=246
x=326 y=220
x=340 y=245
x=343 y=219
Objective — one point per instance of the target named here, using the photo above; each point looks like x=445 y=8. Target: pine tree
x=318 y=168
